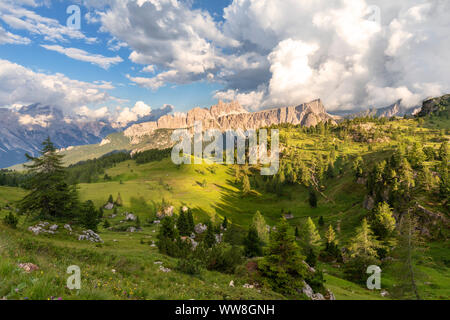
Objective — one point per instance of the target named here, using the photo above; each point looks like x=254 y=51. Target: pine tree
x=225 y=223
x=252 y=244
x=89 y=216
x=384 y=222
x=312 y=197
x=283 y=266
x=119 y=201
x=259 y=223
x=110 y=199
x=182 y=225
x=190 y=221
x=210 y=237
x=409 y=251
x=246 y=185
x=311 y=237
x=364 y=243
x=330 y=236
x=321 y=221
x=443 y=152
x=50 y=196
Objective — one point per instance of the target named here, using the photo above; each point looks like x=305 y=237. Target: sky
x=124 y=58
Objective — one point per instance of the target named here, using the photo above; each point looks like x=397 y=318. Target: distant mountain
x=394 y=110
x=23 y=129
x=226 y=116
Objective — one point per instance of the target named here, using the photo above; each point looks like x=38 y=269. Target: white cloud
x=10 y=38
x=40 y=120
x=20 y=85
x=78 y=54
x=128 y=115
x=20 y=18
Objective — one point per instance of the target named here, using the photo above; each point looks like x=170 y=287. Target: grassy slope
x=182 y=186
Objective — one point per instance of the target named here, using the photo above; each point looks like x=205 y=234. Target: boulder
x=369 y=203
x=68 y=227
x=54 y=227
x=109 y=206
x=166 y=212
x=130 y=217
x=200 y=228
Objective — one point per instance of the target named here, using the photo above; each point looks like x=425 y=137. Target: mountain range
x=22 y=130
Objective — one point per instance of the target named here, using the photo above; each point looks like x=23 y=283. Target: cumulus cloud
x=350 y=53
x=81 y=55
x=20 y=85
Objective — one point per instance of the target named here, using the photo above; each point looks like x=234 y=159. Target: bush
x=223 y=258
x=189 y=265
x=11 y=220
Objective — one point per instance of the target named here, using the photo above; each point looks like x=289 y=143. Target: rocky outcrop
x=432 y=105
x=228 y=116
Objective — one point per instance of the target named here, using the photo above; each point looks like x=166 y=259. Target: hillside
x=214 y=192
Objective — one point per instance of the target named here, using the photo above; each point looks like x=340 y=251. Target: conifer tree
x=182 y=224
x=190 y=221
x=259 y=223
x=384 y=221
x=312 y=197
x=246 y=185
x=89 y=216
x=283 y=266
x=119 y=201
x=110 y=199
x=364 y=243
x=210 y=237
x=409 y=251
x=252 y=244
x=321 y=221
x=311 y=237
x=225 y=223
x=50 y=196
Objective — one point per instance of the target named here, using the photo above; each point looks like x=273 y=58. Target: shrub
x=189 y=265
x=224 y=258
x=11 y=220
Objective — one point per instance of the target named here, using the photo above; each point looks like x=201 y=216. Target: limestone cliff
x=226 y=116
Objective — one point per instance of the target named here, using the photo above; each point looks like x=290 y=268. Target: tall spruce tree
x=50 y=196
x=283 y=266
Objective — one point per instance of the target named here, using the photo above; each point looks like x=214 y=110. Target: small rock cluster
x=166 y=212
x=200 y=228
x=309 y=292
x=43 y=227
x=89 y=235
x=28 y=267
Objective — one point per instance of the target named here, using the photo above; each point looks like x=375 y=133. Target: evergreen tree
x=110 y=199
x=225 y=223
x=89 y=216
x=252 y=244
x=311 y=237
x=119 y=201
x=210 y=237
x=312 y=197
x=364 y=243
x=259 y=223
x=190 y=221
x=283 y=266
x=50 y=196
x=167 y=230
x=362 y=253
x=330 y=236
x=183 y=225
x=443 y=152
x=296 y=233
x=409 y=251
x=138 y=222
x=106 y=224
x=246 y=185
x=384 y=222
x=321 y=221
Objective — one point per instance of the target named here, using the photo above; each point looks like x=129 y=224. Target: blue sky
x=37 y=58
x=187 y=53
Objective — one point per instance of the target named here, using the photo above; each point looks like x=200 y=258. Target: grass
x=137 y=276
